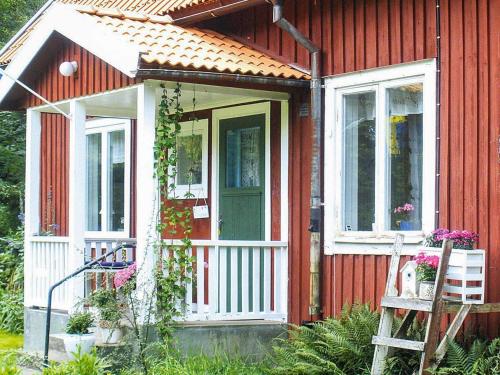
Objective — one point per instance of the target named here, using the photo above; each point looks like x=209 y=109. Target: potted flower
x=109 y=314
x=465 y=273
x=427 y=266
x=402 y=214
x=77 y=333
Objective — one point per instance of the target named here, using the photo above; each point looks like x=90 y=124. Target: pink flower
x=430 y=260
x=124 y=275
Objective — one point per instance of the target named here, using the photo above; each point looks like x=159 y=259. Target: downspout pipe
x=316 y=110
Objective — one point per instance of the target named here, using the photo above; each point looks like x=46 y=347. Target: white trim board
x=233 y=112
x=79 y=28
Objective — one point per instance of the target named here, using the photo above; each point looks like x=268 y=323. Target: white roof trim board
x=95 y=38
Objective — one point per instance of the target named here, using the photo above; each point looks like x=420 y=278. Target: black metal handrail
x=52 y=287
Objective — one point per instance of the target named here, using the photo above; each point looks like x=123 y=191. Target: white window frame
x=105 y=126
x=379 y=80
x=200 y=127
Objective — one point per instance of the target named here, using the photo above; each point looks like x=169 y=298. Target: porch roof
x=167 y=45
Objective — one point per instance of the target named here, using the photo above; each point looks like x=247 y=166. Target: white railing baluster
x=213 y=279
x=200 y=280
x=234 y=280
x=256 y=280
x=267 y=280
x=189 y=288
x=277 y=279
x=244 y=280
x=284 y=282
x=223 y=280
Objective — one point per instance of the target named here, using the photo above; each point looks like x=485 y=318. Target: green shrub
x=11 y=311
x=333 y=346
x=481 y=359
x=106 y=302
x=82 y=364
x=8 y=365
x=79 y=323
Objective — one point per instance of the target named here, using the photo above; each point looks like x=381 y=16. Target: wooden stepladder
x=384 y=341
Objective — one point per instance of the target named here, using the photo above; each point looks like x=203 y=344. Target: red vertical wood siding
x=93 y=75
x=362 y=34
x=54 y=167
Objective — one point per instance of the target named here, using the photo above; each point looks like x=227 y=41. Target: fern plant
x=333 y=346
x=481 y=359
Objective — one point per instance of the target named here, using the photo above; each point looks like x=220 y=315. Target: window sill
x=372 y=244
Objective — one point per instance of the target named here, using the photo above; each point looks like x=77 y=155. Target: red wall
x=93 y=75
x=356 y=35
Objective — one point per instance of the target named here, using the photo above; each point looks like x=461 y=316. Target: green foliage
x=79 y=323
x=8 y=363
x=481 y=359
x=11 y=311
x=333 y=346
x=175 y=216
x=10 y=341
x=106 y=302
x=11 y=261
x=82 y=364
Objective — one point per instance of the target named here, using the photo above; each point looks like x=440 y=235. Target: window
x=379 y=152
x=108 y=177
x=192 y=160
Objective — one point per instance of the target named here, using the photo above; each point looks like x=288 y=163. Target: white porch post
x=146 y=190
x=77 y=180
x=32 y=195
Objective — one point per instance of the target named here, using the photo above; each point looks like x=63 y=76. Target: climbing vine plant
x=175 y=267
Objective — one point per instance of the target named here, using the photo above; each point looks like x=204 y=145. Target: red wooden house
x=404 y=94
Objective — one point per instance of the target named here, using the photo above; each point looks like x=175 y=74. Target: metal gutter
x=316 y=109
x=222 y=77
x=25 y=27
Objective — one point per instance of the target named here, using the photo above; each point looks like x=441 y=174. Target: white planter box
x=71 y=342
x=465 y=275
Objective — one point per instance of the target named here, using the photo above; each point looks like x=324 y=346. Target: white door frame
x=233 y=112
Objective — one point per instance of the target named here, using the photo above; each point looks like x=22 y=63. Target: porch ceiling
x=123 y=102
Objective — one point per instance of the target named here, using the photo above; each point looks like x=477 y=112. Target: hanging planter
x=465 y=275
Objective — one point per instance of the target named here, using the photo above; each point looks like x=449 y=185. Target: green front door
x=242 y=178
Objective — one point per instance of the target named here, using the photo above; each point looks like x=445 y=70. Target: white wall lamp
x=68 y=68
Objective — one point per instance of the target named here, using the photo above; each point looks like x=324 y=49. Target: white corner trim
x=80 y=29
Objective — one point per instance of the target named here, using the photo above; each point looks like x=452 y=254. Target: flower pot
x=405 y=225
x=71 y=343
x=111 y=335
x=465 y=274
x=426 y=290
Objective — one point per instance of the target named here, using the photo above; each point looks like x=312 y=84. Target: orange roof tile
x=158 y=7
x=192 y=48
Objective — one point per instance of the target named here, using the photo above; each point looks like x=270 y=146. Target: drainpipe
x=316 y=214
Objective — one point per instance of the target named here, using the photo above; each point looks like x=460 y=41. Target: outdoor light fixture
x=68 y=68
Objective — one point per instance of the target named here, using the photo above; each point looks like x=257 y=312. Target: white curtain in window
x=93 y=181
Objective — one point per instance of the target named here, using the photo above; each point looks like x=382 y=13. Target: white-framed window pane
x=359 y=140
x=116 y=181
x=243 y=158
x=404 y=122
x=94 y=175
x=189 y=159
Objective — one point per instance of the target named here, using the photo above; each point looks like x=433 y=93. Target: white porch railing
x=46 y=262
x=237 y=280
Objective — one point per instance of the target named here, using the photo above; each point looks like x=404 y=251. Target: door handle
x=220 y=222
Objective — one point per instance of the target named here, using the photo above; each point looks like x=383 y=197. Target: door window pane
x=404 y=150
x=94 y=170
x=359 y=161
x=116 y=181
x=243 y=157
x=189 y=159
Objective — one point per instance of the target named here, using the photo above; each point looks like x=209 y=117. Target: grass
x=10 y=341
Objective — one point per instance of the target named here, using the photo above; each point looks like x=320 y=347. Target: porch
x=232 y=278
